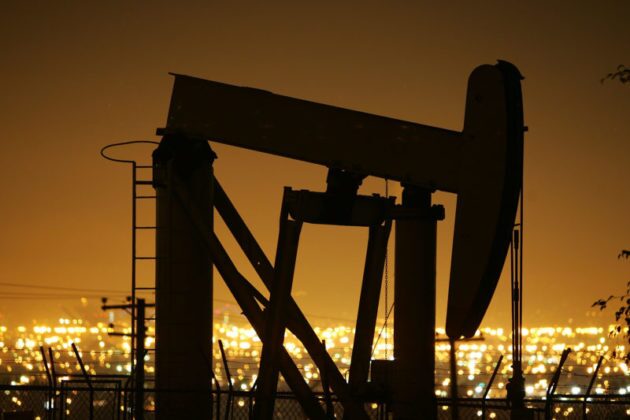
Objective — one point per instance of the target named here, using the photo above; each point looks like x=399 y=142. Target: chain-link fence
x=110 y=400
x=25 y=399
x=557 y=408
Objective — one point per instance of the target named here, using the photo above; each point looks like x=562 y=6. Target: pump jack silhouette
x=482 y=164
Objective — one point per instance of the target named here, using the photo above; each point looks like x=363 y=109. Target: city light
x=21 y=359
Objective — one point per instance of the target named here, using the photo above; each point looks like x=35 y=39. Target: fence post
x=218 y=388
x=54 y=381
x=551 y=389
x=330 y=410
x=87 y=379
x=251 y=393
x=487 y=390
x=48 y=377
x=590 y=386
x=229 y=402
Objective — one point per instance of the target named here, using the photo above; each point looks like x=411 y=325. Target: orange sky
x=76 y=77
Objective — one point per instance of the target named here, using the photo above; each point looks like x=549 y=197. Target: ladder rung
x=145 y=196
x=146 y=258
x=143 y=166
x=146 y=227
x=145 y=288
x=144 y=182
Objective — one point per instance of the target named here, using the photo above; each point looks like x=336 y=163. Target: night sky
x=79 y=75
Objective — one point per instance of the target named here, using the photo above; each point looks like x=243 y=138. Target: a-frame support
x=276 y=313
x=296 y=321
x=248 y=298
x=286 y=314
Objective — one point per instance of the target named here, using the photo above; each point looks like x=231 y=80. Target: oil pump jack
x=482 y=164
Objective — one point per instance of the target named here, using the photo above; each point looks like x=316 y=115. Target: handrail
x=124 y=143
x=134 y=257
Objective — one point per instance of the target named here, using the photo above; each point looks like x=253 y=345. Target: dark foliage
x=622 y=314
x=622 y=74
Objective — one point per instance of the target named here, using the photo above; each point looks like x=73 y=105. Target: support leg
x=368 y=305
x=183 y=279
x=414 y=313
x=275 y=320
x=241 y=289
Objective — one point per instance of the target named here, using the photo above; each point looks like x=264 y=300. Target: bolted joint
x=184 y=153
x=437 y=212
